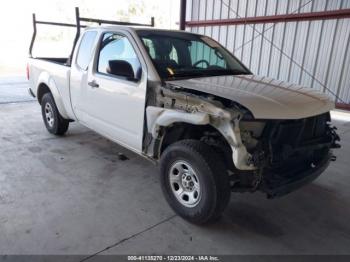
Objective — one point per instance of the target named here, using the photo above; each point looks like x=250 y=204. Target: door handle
x=93 y=84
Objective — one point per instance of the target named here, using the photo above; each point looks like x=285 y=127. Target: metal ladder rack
x=78 y=26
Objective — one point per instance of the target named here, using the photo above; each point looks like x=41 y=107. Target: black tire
x=211 y=173
x=58 y=125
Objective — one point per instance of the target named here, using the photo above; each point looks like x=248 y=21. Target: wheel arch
x=207 y=133
x=42 y=90
x=46 y=84
x=197 y=125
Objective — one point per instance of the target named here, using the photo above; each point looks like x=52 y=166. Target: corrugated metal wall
x=318 y=48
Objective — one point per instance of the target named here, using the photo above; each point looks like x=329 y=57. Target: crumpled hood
x=266 y=98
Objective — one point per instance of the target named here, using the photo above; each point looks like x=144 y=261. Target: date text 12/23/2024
x=174 y=258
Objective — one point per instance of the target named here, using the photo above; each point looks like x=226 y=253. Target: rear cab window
x=85 y=51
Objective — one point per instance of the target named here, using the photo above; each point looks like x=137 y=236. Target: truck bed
x=57 y=60
x=53 y=72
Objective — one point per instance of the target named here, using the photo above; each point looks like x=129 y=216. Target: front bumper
x=282 y=186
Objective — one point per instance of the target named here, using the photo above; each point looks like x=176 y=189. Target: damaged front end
x=289 y=153
x=181 y=107
x=298 y=151
x=273 y=156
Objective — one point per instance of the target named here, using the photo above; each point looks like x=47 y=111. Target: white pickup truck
x=185 y=102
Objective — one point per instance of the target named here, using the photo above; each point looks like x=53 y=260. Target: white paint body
x=265 y=98
x=117 y=108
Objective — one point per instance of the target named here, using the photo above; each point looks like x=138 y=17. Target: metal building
x=299 y=41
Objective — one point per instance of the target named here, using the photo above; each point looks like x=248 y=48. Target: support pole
x=33 y=37
x=183 y=4
x=77 y=35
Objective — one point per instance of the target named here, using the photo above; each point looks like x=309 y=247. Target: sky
x=16 y=24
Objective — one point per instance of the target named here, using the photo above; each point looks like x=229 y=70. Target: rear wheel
x=194 y=181
x=54 y=122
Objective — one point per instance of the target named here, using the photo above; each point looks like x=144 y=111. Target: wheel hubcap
x=185 y=184
x=49 y=115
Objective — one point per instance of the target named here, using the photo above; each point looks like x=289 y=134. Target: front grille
x=315 y=127
x=297 y=132
x=288 y=138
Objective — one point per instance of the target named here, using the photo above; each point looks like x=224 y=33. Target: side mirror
x=122 y=68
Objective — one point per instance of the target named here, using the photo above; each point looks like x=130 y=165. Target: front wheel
x=53 y=120
x=194 y=181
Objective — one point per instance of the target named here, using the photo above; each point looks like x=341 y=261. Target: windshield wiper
x=227 y=72
x=188 y=74
x=206 y=72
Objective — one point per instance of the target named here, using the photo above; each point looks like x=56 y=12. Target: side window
x=85 y=49
x=117 y=56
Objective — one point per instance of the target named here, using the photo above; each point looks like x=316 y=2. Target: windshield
x=181 y=55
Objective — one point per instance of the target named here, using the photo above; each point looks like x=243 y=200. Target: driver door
x=115 y=101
